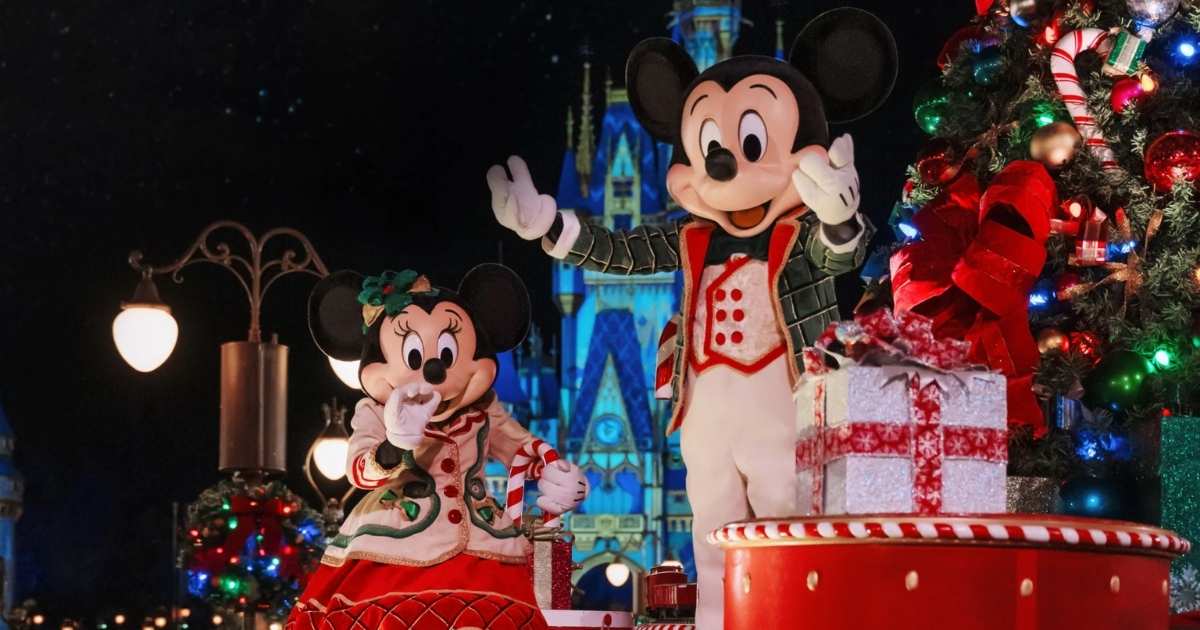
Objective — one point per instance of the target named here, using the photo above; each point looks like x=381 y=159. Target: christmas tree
x=1104 y=95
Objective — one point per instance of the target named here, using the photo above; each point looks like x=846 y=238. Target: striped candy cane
x=528 y=464
x=1062 y=66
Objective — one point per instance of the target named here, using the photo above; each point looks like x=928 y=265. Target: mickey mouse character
x=428 y=536
x=774 y=216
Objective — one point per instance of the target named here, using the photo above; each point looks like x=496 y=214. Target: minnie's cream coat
x=434 y=504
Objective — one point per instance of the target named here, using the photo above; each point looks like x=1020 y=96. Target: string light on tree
x=1184 y=51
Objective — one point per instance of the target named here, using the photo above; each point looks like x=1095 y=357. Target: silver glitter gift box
x=877 y=458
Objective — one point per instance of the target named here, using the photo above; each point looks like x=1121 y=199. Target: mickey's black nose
x=434 y=371
x=720 y=164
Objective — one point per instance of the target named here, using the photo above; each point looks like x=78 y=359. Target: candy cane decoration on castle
x=1062 y=66
x=528 y=463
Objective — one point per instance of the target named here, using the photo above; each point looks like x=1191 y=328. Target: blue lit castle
x=12 y=488
x=599 y=407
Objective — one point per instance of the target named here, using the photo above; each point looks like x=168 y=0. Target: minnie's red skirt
x=460 y=593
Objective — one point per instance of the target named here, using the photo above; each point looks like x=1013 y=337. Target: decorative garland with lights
x=247 y=546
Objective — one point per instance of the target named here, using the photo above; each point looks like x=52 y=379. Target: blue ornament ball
x=987 y=66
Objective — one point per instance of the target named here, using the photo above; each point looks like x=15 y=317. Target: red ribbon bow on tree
x=979 y=255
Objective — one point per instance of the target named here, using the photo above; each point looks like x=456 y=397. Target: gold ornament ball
x=1052 y=340
x=1055 y=145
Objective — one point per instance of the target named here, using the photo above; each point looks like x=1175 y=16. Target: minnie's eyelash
x=402 y=330
x=454 y=328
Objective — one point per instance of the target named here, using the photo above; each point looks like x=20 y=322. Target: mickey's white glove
x=517 y=204
x=828 y=182
x=406 y=413
x=562 y=487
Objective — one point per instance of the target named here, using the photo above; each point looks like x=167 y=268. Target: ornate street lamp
x=328 y=455
x=253 y=373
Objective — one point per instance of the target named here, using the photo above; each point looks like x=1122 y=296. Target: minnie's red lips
x=748 y=218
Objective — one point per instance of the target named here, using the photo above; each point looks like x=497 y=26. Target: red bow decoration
x=883 y=338
x=972 y=270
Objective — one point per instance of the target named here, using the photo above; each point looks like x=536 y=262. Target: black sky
x=366 y=124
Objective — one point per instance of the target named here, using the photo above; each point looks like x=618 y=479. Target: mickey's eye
x=447 y=348
x=412 y=350
x=753 y=135
x=710 y=137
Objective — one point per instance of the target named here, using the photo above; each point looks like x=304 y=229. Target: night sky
x=367 y=125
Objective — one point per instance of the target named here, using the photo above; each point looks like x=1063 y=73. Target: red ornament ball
x=1065 y=283
x=1087 y=344
x=939 y=162
x=1128 y=91
x=1173 y=156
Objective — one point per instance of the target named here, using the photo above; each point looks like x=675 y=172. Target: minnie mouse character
x=428 y=547
x=774 y=216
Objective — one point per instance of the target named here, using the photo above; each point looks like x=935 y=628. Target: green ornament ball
x=1118 y=381
x=987 y=66
x=930 y=106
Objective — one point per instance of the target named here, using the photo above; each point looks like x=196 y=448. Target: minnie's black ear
x=335 y=316
x=657 y=76
x=499 y=304
x=850 y=57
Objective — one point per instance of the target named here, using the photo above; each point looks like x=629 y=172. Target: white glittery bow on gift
x=899 y=347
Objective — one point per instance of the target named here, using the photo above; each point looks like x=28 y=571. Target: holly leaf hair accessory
x=390 y=292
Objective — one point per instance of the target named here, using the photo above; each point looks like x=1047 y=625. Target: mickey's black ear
x=499 y=304
x=335 y=316
x=656 y=76
x=850 y=57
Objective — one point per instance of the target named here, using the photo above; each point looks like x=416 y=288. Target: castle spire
x=585 y=148
x=570 y=129
x=780 y=53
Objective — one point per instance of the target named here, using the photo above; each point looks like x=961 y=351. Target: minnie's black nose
x=434 y=371
x=720 y=164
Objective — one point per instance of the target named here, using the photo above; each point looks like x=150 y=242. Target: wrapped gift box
x=912 y=435
x=550 y=567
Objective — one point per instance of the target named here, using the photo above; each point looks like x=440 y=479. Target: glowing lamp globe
x=617 y=573
x=144 y=331
x=330 y=456
x=145 y=336
x=347 y=372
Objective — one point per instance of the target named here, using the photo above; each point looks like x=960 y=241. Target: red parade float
x=989 y=572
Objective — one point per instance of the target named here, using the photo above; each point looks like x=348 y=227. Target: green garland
x=247 y=546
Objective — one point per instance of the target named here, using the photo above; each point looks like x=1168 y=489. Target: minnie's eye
x=710 y=137
x=753 y=135
x=447 y=348
x=412 y=350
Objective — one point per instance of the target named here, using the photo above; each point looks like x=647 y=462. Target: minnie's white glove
x=517 y=204
x=562 y=487
x=406 y=413
x=827 y=181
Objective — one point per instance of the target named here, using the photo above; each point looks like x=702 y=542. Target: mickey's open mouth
x=748 y=218
x=444 y=405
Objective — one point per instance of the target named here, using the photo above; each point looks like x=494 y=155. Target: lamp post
x=253 y=373
x=328 y=454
